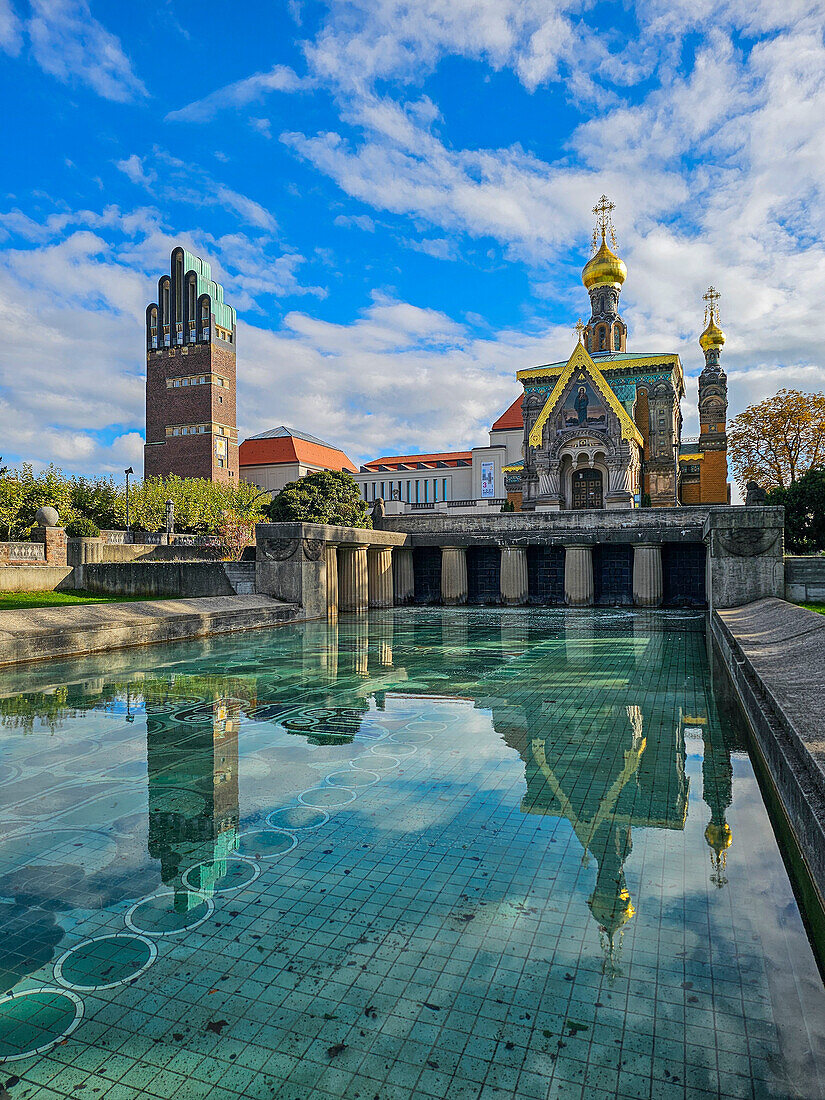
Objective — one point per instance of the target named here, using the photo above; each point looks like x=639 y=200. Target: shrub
x=325 y=496
x=82 y=528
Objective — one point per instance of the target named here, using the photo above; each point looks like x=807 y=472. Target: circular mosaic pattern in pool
x=105 y=961
x=33 y=1020
x=205 y=877
x=297 y=817
x=8 y=773
x=265 y=843
x=159 y=916
x=327 y=797
x=376 y=761
x=411 y=737
x=422 y=725
x=353 y=778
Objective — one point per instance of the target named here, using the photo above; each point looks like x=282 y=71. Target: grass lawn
x=15 y=601
x=820 y=607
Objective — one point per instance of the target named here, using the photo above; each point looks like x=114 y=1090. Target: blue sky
x=397 y=199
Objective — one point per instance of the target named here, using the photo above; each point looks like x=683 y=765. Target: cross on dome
x=604 y=221
x=711 y=297
x=579 y=327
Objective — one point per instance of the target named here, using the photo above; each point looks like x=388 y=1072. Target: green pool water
x=420 y=853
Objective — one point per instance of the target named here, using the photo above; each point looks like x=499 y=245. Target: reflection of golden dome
x=712 y=337
x=612 y=913
x=604 y=269
x=718 y=837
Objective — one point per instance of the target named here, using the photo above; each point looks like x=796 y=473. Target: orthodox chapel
x=604 y=429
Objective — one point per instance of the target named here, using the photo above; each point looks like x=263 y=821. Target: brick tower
x=190 y=376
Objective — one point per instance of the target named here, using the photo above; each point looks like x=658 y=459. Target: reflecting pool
x=422 y=853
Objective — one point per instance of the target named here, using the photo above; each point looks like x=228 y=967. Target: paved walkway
x=47 y=632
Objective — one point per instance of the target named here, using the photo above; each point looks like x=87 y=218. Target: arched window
x=152 y=327
x=165 y=311
x=617 y=339
x=204 y=317
x=191 y=308
x=602 y=338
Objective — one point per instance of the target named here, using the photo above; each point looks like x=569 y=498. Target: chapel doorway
x=587 y=489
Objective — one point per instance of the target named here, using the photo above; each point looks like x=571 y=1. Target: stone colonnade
x=360 y=576
x=579 y=588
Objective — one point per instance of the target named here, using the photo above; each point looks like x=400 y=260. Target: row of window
x=419 y=491
x=197 y=380
x=198 y=429
x=601 y=338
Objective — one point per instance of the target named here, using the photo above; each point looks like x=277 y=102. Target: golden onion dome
x=712 y=337
x=604 y=269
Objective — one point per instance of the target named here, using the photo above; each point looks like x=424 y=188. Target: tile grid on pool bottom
x=405 y=882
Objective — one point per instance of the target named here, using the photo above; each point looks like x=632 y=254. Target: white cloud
x=11 y=36
x=133 y=168
x=70 y=44
x=360 y=221
x=251 y=89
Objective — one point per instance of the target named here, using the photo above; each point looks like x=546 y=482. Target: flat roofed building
x=274 y=458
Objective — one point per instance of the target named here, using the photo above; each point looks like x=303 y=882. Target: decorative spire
x=579 y=327
x=604 y=222
x=712 y=339
x=603 y=275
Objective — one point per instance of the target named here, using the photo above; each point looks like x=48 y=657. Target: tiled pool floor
x=461 y=854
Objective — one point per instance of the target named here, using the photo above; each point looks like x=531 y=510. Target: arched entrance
x=587 y=488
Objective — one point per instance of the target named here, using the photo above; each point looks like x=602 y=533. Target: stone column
x=453 y=575
x=352 y=577
x=331 y=558
x=578 y=576
x=513 y=575
x=379 y=569
x=402 y=574
x=647 y=575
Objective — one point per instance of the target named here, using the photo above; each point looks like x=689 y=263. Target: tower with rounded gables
x=191 y=426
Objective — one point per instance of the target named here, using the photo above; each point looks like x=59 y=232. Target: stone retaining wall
x=179 y=580
x=772 y=654
x=805 y=579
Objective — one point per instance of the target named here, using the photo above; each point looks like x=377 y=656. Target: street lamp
x=127 y=472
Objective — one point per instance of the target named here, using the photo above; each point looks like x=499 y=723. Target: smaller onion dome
x=712 y=337
x=604 y=269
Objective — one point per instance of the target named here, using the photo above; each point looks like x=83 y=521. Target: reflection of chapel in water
x=192 y=756
x=611 y=767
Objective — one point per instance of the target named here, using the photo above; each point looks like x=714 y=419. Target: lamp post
x=128 y=525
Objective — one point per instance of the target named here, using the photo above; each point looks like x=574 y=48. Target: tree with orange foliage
x=776 y=441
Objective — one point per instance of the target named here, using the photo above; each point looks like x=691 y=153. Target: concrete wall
x=35 y=578
x=805 y=579
x=85 y=551
x=155 y=578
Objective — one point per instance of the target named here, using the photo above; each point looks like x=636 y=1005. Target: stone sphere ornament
x=47 y=517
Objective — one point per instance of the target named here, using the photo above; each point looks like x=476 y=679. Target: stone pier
x=453 y=575
x=379 y=570
x=648 y=587
x=513 y=575
x=403 y=579
x=353 y=587
x=578 y=576
x=331 y=558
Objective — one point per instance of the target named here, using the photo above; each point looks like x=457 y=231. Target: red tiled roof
x=450 y=457
x=288 y=448
x=511 y=418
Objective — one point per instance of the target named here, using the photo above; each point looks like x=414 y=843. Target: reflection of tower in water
x=717 y=792
x=192 y=754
